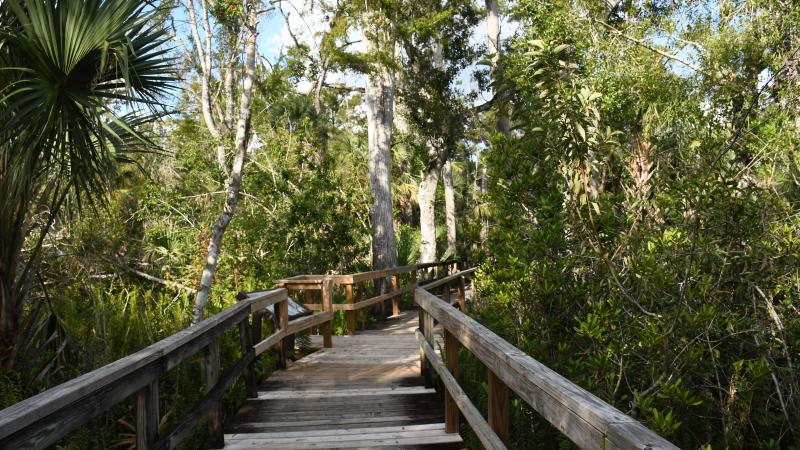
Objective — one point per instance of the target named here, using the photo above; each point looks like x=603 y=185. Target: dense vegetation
x=630 y=193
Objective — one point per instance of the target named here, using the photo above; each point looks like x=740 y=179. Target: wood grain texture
x=364 y=392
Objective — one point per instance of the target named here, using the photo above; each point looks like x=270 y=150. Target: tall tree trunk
x=503 y=125
x=495 y=49
x=234 y=181
x=426 y=198
x=484 y=180
x=379 y=103
x=449 y=208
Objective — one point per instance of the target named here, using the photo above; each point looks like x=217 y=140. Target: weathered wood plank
x=451 y=413
x=371 y=301
x=147 y=416
x=214 y=413
x=499 y=407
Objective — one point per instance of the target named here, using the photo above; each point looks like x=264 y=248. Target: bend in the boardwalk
x=365 y=392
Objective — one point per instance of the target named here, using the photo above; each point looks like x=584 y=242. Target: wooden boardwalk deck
x=365 y=392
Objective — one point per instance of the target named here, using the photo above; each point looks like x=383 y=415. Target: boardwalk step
x=397 y=436
x=324 y=393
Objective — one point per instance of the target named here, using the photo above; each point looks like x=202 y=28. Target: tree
x=236 y=26
x=62 y=134
x=379 y=31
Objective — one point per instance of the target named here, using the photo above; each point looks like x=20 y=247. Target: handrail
x=355 y=291
x=44 y=419
x=584 y=418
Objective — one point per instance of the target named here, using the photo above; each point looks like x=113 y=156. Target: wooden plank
x=266 y=299
x=561 y=402
x=451 y=414
x=446 y=280
x=267 y=343
x=479 y=425
x=362 y=442
x=396 y=297
x=343 y=431
x=307 y=322
x=147 y=416
x=499 y=407
x=214 y=414
x=249 y=371
x=371 y=301
x=327 y=305
x=327 y=393
x=350 y=314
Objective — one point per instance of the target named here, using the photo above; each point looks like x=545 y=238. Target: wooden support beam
x=499 y=407
x=212 y=363
x=396 y=298
x=249 y=371
x=451 y=414
x=282 y=322
x=147 y=416
x=350 y=314
x=462 y=294
x=360 y=294
x=327 y=306
x=422 y=361
x=427 y=331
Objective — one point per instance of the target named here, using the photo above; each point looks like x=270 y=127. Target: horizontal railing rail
x=355 y=288
x=584 y=418
x=46 y=418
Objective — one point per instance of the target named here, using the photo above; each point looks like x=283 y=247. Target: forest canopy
x=624 y=174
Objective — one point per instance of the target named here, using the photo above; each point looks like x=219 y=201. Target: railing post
x=249 y=372
x=462 y=294
x=395 y=299
x=282 y=321
x=147 y=416
x=498 y=407
x=360 y=294
x=451 y=412
x=423 y=363
x=428 y=333
x=215 y=437
x=351 y=313
x=446 y=293
x=327 y=306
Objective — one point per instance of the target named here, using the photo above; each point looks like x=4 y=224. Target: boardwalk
x=359 y=391
x=365 y=392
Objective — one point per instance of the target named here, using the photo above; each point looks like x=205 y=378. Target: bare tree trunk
x=449 y=208
x=426 y=198
x=495 y=49
x=234 y=180
x=379 y=102
x=484 y=236
x=503 y=125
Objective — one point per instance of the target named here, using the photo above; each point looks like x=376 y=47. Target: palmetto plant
x=80 y=83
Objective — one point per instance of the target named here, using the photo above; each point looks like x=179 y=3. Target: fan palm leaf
x=80 y=83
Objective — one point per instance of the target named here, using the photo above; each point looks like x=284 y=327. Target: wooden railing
x=587 y=420
x=44 y=419
x=402 y=280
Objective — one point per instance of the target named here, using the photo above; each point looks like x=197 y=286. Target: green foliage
x=643 y=241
